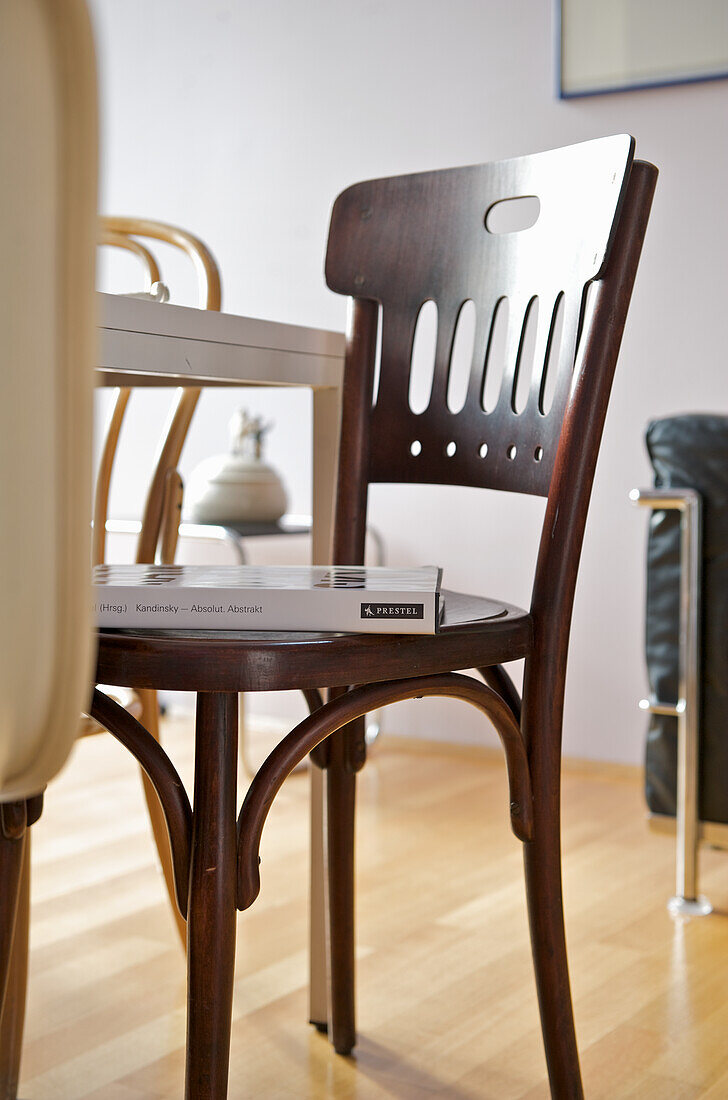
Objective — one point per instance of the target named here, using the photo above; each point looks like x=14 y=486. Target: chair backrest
x=48 y=230
x=163 y=501
x=397 y=243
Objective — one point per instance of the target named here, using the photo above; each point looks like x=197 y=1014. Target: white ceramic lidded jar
x=238 y=487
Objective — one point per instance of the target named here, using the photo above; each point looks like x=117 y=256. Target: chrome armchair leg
x=686 y=900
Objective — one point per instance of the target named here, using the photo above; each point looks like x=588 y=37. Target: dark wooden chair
x=394 y=244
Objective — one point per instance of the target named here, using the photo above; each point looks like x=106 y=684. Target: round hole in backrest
x=415 y=448
x=483 y=450
x=512 y=451
x=538 y=454
x=451 y=448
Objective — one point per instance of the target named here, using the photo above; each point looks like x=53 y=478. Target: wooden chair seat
x=206 y=660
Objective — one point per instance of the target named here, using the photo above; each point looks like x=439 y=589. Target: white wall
x=243 y=120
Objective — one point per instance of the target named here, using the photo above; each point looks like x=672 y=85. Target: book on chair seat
x=371 y=599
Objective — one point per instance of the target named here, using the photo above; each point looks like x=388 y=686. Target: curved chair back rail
x=116 y=239
x=123 y=232
x=208 y=273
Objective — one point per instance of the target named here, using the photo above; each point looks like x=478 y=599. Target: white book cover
x=371 y=599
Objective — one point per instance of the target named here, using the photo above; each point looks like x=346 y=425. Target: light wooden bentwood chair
x=396 y=243
x=47 y=229
x=161 y=515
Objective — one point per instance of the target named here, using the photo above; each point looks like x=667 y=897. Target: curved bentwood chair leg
x=343 y=711
x=12 y=1016
x=204 y=858
x=543 y=708
x=318 y=965
x=542 y=864
x=217 y=871
x=211 y=921
x=13 y=930
x=16 y=819
x=340 y=868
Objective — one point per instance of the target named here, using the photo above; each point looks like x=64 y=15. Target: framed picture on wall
x=619 y=45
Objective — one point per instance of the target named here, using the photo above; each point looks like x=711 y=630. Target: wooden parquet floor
x=447 y=1006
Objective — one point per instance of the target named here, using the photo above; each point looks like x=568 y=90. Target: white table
x=144 y=343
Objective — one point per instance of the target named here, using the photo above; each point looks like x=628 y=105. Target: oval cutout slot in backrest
x=553 y=352
x=526 y=351
x=588 y=301
x=513 y=215
x=495 y=356
x=461 y=357
x=378 y=356
x=422 y=362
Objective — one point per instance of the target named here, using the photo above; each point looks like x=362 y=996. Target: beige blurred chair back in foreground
x=47 y=237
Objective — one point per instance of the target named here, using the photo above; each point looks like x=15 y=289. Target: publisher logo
x=392 y=611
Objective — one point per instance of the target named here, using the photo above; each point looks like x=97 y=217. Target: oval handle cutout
x=513 y=215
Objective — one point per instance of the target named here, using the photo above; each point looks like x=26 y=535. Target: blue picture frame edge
x=561 y=94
